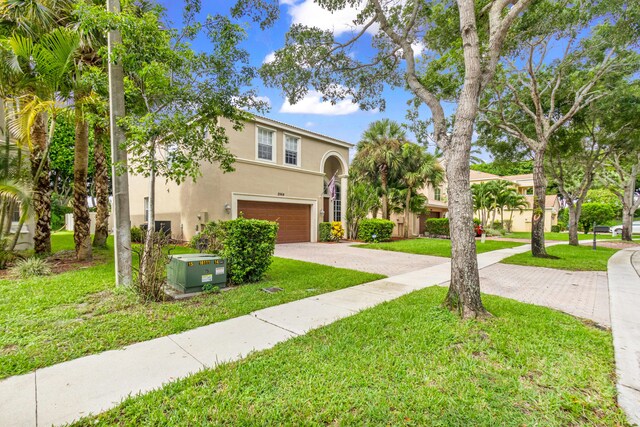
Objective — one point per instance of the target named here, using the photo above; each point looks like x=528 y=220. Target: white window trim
x=274 y=152
x=284 y=150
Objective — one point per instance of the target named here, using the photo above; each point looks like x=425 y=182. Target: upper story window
x=266 y=140
x=291 y=150
x=437 y=194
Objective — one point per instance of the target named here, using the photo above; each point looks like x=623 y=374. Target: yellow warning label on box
x=207 y=278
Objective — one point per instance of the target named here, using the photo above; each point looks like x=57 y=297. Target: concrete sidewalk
x=65 y=392
x=624 y=297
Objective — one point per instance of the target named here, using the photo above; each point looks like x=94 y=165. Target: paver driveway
x=344 y=255
x=580 y=293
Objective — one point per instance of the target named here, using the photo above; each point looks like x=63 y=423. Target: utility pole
x=122 y=220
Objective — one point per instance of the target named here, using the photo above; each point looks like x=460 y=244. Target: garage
x=294 y=219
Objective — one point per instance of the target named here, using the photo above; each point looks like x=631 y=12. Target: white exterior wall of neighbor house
x=216 y=195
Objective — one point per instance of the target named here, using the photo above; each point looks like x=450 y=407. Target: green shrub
x=375 y=230
x=324 y=232
x=30 y=267
x=497 y=225
x=476 y=221
x=211 y=288
x=248 y=247
x=555 y=228
x=562 y=225
x=437 y=227
x=494 y=232
x=210 y=239
x=136 y=235
x=595 y=212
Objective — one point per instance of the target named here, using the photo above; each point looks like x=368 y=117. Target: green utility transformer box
x=190 y=272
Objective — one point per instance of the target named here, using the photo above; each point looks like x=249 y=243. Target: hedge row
x=437 y=227
x=375 y=230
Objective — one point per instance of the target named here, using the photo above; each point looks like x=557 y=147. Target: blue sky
x=344 y=120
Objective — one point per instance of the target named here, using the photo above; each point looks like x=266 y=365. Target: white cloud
x=264 y=99
x=271 y=56
x=309 y=124
x=418 y=48
x=312 y=104
x=307 y=12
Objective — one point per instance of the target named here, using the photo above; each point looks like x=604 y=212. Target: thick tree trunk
x=464 y=289
x=102 y=188
x=81 y=218
x=539 y=196
x=627 y=224
x=575 y=209
x=40 y=171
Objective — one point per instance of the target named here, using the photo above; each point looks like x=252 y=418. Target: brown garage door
x=294 y=219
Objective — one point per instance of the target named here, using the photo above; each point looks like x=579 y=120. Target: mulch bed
x=60 y=262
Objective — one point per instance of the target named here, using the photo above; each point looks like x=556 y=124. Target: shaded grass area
x=61 y=317
x=406 y=362
x=575 y=258
x=562 y=237
x=435 y=247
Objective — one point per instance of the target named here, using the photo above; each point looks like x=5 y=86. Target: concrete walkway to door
x=346 y=255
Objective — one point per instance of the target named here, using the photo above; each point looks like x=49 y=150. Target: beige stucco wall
x=252 y=179
x=522 y=221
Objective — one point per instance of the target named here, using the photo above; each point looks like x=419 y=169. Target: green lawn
x=578 y=258
x=436 y=247
x=61 y=317
x=406 y=362
x=563 y=237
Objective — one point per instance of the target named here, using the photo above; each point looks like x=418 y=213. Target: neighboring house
x=25 y=240
x=524 y=185
x=438 y=206
x=281 y=174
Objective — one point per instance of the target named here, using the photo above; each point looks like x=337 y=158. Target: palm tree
x=514 y=201
x=380 y=152
x=500 y=190
x=101 y=179
x=40 y=55
x=418 y=169
x=482 y=200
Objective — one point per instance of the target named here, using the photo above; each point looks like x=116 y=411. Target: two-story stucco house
x=281 y=174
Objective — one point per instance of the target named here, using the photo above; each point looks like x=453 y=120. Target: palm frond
x=55 y=54
x=11 y=190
